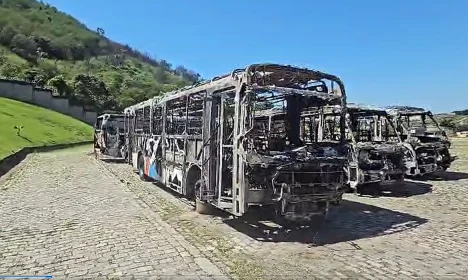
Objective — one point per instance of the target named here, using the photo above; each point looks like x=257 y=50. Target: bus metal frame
x=197 y=141
x=427 y=152
x=109 y=136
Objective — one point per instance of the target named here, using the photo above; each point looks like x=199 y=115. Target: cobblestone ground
x=415 y=231
x=61 y=214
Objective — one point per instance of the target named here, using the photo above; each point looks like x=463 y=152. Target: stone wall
x=26 y=92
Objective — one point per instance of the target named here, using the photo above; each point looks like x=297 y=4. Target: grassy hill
x=40 y=127
x=40 y=44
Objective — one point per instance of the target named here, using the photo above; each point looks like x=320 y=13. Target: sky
x=399 y=52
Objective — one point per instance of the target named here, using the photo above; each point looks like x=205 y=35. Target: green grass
x=41 y=127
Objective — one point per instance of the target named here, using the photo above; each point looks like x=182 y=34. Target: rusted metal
x=109 y=136
x=207 y=142
x=427 y=144
x=374 y=149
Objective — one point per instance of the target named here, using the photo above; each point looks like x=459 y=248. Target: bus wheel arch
x=141 y=167
x=194 y=182
x=191 y=181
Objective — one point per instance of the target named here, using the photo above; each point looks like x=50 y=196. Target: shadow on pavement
x=404 y=189
x=445 y=176
x=348 y=222
x=113 y=160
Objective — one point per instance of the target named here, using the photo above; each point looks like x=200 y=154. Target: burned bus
x=375 y=151
x=205 y=142
x=427 y=143
x=109 y=135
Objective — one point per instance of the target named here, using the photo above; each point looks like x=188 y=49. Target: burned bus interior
x=109 y=135
x=416 y=122
x=373 y=146
x=418 y=127
x=209 y=141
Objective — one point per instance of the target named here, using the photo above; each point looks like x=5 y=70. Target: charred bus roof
x=366 y=109
x=351 y=108
x=110 y=116
x=406 y=110
x=284 y=79
x=270 y=112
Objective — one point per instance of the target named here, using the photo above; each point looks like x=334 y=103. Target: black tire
x=141 y=166
x=201 y=207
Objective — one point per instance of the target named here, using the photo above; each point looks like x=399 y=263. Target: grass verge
x=41 y=127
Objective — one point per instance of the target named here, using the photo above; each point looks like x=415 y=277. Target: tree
x=24 y=46
x=462 y=127
x=91 y=90
x=43 y=43
x=6 y=35
x=130 y=96
x=115 y=82
x=447 y=123
x=10 y=71
x=3 y=57
x=160 y=75
x=100 y=31
x=60 y=85
x=48 y=69
x=462 y=112
x=41 y=79
x=165 y=65
x=29 y=74
x=192 y=76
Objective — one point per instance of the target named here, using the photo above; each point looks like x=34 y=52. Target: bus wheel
x=141 y=166
x=201 y=207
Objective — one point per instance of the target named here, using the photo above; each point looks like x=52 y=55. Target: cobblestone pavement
x=78 y=223
x=415 y=231
x=62 y=215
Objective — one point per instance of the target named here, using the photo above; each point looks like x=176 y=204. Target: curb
x=8 y=163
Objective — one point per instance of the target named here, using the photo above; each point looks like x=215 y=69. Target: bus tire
x=141 y=166
x=202 y=207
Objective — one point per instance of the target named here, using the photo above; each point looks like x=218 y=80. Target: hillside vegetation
x=40 y=44
x=457 y=122
x=39 y=127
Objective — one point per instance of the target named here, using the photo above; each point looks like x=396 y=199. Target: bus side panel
x=150 y=169
x=135 y=161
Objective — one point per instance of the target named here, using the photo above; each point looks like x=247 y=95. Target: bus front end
x=284 y=165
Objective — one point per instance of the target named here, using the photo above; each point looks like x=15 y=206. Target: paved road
x=66 y=214
x=62 y=215
x=419 y=230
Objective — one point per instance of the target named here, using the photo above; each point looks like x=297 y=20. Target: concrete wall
x=23 y=91
x=60 y=105
x=90 y=117
x=76 y=111
x=42 y=97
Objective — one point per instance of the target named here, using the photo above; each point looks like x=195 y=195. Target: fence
x=26 y=92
